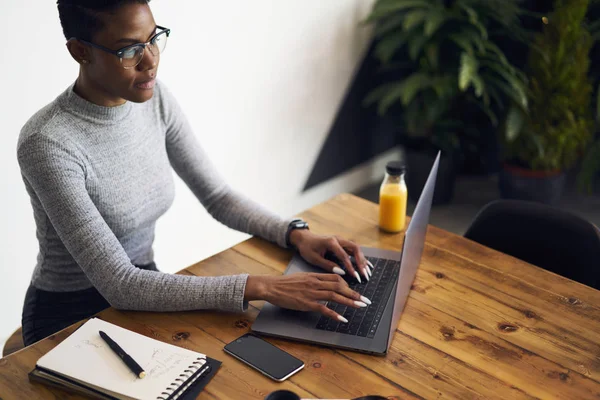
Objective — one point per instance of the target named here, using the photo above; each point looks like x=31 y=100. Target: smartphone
x=263 y=356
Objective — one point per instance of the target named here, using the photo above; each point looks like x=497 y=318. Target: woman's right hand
x=304 y=292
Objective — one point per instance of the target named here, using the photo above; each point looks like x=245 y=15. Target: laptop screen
x=414 y=241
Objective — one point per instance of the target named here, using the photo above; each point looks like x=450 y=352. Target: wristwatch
x=294 y=224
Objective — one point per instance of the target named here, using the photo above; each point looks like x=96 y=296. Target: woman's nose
x=149 y=59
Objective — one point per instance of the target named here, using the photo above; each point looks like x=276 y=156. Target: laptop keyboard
x=364 y=321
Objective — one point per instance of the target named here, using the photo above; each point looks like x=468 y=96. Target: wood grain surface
x=478 y=325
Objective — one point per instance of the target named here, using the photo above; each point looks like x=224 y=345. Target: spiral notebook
x=85 y=363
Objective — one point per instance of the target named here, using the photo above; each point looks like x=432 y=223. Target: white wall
x=260 y=81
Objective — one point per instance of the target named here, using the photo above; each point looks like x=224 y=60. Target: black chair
x=541 y=235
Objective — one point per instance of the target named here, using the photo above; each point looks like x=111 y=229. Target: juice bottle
x=392 y=198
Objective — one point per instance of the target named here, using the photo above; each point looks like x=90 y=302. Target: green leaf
x=463 y=42
x=413 y=19
x=434 y=21
x=514 y=123
x=404 y=91
x=384 y=8
x=376 y=94
x=493 y=47
x=470 y=12
x=507 y=15
x=506 y=88
x=416 y=45
x=468 y=69
x=479 y=43
x=495 y=96
x=518 y=87
x=590 y=167
x=468 y=36
x=389 y=24
x=444 y=86
x=539 y=145
x=473 y=18
x=479 y=86
x=412 y=85
x=482 y=29
x=387 y=47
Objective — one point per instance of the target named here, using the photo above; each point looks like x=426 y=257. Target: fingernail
x=339 y=271
x=370 y=272
x=357 y=277
x=360 y=303
x=366 y=274
x=364 y=299
x=344 y=320
x=370 y=265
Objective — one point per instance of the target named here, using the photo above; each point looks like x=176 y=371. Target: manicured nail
x=339 y=271
x=366 y=274
x=365 y=300
x=370 y=265
x=360 y=303
x=357 y=277
x=344 y=320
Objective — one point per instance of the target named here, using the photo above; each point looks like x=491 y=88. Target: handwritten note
x=85 y=357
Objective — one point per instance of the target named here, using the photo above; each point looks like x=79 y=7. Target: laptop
x=369 y=329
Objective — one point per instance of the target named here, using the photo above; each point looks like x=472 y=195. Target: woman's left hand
x=313 y=247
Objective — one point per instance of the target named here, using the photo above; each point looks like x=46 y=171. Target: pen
x=130 y=362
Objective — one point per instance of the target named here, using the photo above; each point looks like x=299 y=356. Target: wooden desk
x=478 y=325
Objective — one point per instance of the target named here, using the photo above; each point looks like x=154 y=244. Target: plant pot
x=418 y=167
x=524 y=184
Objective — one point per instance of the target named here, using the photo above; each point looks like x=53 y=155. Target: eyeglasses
x=130 y=56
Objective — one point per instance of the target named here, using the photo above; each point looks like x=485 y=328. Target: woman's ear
x=79 y=51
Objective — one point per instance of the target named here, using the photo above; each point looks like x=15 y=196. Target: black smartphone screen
x=265 y=357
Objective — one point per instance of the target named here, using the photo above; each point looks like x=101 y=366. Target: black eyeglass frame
x=119 y=53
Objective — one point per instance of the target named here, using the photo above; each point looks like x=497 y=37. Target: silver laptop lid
x=414 y=241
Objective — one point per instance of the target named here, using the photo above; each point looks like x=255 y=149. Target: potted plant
x=540 y=145
x=587 y=178
x=590 y=168
x=441 y=69
x=590 y=165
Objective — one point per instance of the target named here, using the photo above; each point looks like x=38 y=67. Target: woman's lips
x=146 y=85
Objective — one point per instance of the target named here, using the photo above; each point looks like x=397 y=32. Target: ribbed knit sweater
x=100 y=177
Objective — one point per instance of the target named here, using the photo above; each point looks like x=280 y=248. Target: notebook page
x=86 y=357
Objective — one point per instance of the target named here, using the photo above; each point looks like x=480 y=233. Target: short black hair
x=80 y=19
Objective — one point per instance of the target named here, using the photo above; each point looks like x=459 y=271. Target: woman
x=96 y=164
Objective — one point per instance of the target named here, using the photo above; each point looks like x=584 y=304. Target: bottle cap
x=395 y=168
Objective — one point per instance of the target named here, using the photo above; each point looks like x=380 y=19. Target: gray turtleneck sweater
x=100 y=177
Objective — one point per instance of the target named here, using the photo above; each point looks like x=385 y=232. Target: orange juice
x=392 y=198
x=392 y=207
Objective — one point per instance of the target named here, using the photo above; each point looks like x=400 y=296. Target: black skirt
x=45 y=313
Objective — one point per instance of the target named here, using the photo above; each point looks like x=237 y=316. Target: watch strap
x=294 y=224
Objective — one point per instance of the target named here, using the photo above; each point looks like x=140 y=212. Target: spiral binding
x=181 y=379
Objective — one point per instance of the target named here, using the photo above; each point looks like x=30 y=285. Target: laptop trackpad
x=297 y=318
x=299 y=264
